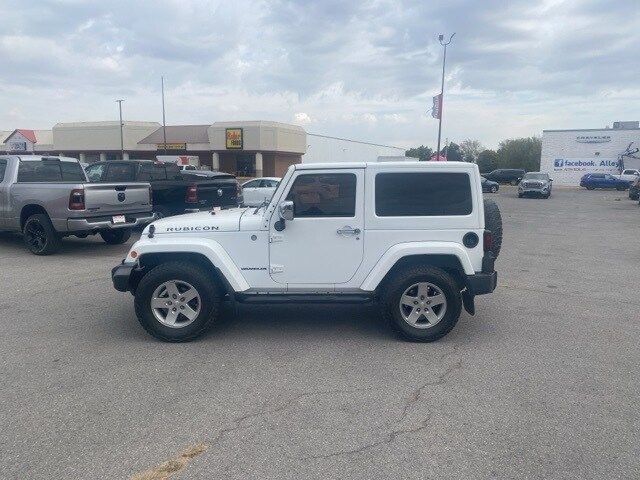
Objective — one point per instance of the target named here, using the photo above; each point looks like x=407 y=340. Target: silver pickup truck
x=47 y=198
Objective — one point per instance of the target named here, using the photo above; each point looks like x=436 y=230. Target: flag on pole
x=436 y=111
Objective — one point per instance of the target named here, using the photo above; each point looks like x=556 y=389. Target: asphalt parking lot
x=543 y=382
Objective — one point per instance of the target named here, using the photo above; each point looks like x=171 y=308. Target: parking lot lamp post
x=121 y=136
x=444 y=60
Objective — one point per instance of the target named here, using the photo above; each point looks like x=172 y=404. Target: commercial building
x=569 y=154
x=244 y=148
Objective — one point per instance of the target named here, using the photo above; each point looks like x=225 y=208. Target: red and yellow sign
x=233 y=138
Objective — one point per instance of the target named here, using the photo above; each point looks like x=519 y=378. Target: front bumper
x=540 y=190
x=104 y=223
x=121 y=275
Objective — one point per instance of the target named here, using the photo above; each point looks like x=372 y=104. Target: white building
x=568 y=154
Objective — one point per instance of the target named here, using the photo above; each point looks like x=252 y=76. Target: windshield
x=535 y=176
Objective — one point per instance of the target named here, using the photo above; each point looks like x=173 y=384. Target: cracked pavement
x=542 y=383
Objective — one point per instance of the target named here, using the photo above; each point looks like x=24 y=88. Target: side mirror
x=285 y=209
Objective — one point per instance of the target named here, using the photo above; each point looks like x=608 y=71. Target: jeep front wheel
x=177 y=302
x=422 y=303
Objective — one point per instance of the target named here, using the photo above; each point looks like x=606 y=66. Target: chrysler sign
x=593 y=138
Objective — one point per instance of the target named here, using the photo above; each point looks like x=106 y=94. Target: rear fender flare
x=401 y=250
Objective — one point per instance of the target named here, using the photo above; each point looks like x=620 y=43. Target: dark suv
x=506 y=175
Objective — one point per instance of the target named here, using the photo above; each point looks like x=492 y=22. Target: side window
x=271 y=183
x=39 y=171
x=423 y=194
x=324 y=195
x=252 y=184
x=173 y=171
x=3 y=168
x=94 y=172
x=72 y=172
x=120 y=172
x=151 y=171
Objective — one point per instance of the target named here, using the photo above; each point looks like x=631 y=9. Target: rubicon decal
x=203 y=228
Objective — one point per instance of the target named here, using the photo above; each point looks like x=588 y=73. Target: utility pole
x=121 y=135
x=164 y=122
x=444 y=60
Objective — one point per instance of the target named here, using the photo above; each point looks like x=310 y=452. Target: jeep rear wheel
x=177 y=302
x=422 y=303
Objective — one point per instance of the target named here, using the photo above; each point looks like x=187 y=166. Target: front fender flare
x=401 y=250
x=209 y=248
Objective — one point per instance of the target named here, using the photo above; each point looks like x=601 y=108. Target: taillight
x=192 y=194
x=76 y=199
x=487 y=240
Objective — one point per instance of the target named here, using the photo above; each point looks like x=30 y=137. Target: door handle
x=348 y=230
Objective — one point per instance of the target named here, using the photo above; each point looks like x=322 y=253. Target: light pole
x=164 y=123
x=119 y=102
x=444 y=60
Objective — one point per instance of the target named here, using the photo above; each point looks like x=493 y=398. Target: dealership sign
x=233 y=138
x=17 y=147
x=560 y=164
x=593 y=138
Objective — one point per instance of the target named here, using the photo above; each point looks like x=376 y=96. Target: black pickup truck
x=173 y=193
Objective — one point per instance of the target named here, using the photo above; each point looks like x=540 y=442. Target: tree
x=470 y=150
x=520 y=153
x=453 y=152
x=487 y=160
x=421 y=152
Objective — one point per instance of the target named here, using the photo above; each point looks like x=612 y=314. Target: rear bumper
x=104 y=222
x=120 y=276
x=482 y=283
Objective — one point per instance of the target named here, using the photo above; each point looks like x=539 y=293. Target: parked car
x=629 y=175
x=634 y=189
x=536 y=183
x=336 y=233
x=174 y=191
x=489 y=186
x=256 y=191
x=602 y=180
x=506 y=175
x=47 y=198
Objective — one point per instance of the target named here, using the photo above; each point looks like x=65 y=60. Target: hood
x=222 y=221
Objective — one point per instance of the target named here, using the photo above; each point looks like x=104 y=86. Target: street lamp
x=444 y=60
x=119 y=102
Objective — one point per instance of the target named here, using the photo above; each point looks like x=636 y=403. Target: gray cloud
x=358 y=69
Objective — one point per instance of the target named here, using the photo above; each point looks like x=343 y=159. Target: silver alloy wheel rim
x=175 y=304
x=423 y=305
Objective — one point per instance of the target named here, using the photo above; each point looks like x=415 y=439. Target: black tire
x=494 y=189
x=39 y=235
x=401 y=281
x=634 y=196
x=591 y=188
x=194 y=275
x=493 y=222
x=514 y=182
x=161 y=212
x=116 y=236
x=520 y=195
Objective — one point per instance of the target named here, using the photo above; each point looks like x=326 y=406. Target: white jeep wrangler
x=409 y=235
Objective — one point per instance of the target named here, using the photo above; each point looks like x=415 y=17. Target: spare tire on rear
x=493 y=222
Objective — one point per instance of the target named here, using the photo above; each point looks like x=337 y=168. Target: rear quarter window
x=39 y=171
x=423 y=194
x=3 y=168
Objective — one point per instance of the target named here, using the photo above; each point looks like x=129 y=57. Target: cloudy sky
x=358 y=69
